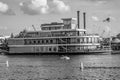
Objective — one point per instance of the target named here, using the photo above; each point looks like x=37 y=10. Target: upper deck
x=54 y=29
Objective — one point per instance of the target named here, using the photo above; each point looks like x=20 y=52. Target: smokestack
x=78 y=19
x=84 y=20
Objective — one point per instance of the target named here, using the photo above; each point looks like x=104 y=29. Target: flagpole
x=108 y=20
x=110 y=42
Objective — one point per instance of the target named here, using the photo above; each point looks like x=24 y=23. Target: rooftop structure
x=68 y=23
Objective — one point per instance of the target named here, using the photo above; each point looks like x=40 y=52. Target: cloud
x=61 y=6
x=39 y=5
x=98 y=2
x=34 y=7
x=4 y=9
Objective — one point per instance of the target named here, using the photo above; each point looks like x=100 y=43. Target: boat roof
x=58 y=30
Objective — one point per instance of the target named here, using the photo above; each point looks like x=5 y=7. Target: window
x=81 y=40
x=42 y=49
x=30 y=42
x=50 y=49
x=46 y=41
x=42 y=41
x=87 y=40
x=34 y=42
x=90 y=40
x=37 y=49
x=78 y=40
x=51 y=41
x=38 y=41
x=27 y=42
x=54 y=49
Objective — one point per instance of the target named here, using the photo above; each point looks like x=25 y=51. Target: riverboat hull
x=55 y=50
x=63 y=53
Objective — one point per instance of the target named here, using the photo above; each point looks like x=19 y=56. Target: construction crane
x=34 y=27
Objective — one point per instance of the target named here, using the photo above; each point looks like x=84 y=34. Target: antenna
x=34 y=27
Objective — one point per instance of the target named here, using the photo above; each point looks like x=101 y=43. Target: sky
x=16 y=15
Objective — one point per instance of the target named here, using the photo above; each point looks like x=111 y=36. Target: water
x=55 y=60
x=53 y=67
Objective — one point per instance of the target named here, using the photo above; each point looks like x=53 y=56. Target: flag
x=107 y=20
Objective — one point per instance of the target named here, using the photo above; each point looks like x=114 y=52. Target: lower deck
x=55 y=49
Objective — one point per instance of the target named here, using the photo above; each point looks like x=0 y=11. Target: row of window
x=75 y=48
x=54 y=34
x=61 y=41
x=45 y=49
x=62 y=48
x=51 y=28
x=86 y=47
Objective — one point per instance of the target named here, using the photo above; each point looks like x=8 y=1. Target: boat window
x=78 y=40
x=42 y=49
x=90 y=40
x=46 y=41
x=50 y=49
x=42 y=41
x=87 y=40
x=55 y=49
x=82 y=40
x=34 y=42
x=51 y=41
x=30 y=42
x=38 y=41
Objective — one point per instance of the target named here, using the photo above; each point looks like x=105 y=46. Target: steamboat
x=61 y=38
